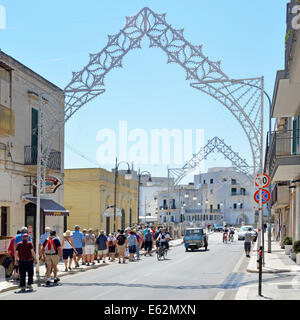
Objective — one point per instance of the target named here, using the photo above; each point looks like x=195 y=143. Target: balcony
x=284 y=155
x=30 y=158
x=7 y=122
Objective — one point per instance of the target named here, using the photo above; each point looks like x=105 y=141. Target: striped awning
x=50 y=207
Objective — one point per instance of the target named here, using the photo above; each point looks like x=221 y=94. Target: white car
x=243 y=230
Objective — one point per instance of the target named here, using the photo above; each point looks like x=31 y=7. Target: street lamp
x=149 y=184
x=128 y=176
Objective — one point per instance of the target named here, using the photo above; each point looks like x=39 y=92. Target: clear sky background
x=55 y=37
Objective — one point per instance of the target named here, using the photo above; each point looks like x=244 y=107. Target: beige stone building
x=19 y=112
x=89 y=192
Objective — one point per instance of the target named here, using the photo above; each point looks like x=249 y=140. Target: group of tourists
x=84 y=247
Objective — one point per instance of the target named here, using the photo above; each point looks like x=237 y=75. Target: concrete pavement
x=275 y=262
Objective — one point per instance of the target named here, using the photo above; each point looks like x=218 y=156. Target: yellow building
x=88 y=193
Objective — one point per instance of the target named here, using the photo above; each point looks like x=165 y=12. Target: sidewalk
x=275 y=262
x=6 y=285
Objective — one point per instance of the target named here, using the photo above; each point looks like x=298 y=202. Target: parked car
x=243 y=230
x=195 y=238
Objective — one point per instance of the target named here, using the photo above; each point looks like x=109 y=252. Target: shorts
x=247 y=246
x=148 y=245
x=112 y=249
x=68 y=253
x=79 y=251
x=132 y=249
x=121 y=249
x=51 y=259
x=102 y=252
x=90 y=249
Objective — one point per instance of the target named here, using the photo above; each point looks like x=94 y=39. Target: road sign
x=265 y=196
x=265 y=181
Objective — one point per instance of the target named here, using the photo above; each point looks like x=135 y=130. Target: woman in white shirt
x=68 y=249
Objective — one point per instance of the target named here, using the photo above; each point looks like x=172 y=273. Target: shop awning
x=50 y=207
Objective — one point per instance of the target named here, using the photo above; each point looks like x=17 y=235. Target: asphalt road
x=214 y=274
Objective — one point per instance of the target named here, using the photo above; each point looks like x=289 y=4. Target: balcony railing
x=283 y=144
x=30 y=157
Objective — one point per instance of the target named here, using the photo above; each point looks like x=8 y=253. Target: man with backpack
x=122 y=244
x=52 y=252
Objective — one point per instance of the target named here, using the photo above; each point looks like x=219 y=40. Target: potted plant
x=288 y=244
x=296 y=249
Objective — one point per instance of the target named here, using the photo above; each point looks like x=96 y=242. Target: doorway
x=30 y=220
x=4 y=211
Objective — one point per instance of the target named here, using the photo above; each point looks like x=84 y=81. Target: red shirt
x=24 y=250
x=11 y=248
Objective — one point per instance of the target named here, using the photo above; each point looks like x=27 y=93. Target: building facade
x=222 y=195
x=19 y=111
x=89 y=197
x=282 y=160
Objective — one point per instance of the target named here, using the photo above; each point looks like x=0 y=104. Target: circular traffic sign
x=265 y=181
x=265 y=194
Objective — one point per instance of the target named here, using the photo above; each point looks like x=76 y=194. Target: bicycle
x=161 y=252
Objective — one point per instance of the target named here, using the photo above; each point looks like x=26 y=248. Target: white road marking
x=237 y=266
x=220 y=295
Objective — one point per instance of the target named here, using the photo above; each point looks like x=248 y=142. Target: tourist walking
x=132 y=243
x=24 y=258
x=101 y=241
x=247 y=243
x=84 y=257
x=122 y=244
x=52 y=252
x=11 y=251
x=90 y=241
x=68 y=249
x=78 y=238
x=148 y=243
x=111 y=246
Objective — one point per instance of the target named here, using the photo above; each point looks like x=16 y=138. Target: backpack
x=156 y=235
x=50 y=247
x=110 y=243
x=121 y=240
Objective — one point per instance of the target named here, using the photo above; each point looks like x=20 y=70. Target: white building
x=18 y=150
x=229 y=191
x=148 y=203
x=222 y=195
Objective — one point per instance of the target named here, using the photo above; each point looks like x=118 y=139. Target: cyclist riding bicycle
x=231 y=232
x=163 y=238
x=225 y=234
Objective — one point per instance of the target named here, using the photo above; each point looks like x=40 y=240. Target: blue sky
x=54 y=38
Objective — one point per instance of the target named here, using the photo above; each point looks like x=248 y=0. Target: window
x=233 y=181
x=233 y=191
x=218 y=206
x=204 y=181
x=165 y=204
x=241 y=205
x=211 y=208
x=243 y=191
x=211 y=181
x=5 y=87
x=234 y=206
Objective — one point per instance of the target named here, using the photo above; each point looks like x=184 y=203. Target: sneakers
x=56 y=280
x=48 y=283
x=77 y=265
x=29 y=287
x=119 y=261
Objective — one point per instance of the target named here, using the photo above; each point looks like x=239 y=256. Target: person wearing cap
x=68 y=249
x=19 y=236
x=52 y=252
x=90 y=241
x=78 y=238
x=24 y=258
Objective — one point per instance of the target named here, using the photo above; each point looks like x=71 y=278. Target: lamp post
x=128 y=176
x=149 y=184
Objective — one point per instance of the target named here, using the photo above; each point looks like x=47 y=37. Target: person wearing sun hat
x=68 y=249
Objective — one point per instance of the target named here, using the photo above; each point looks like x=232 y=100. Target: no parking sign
x=265 y=194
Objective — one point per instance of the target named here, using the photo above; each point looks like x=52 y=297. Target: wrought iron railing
x=30 y=157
